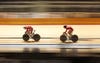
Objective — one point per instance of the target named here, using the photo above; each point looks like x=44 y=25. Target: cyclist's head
x=65 y=26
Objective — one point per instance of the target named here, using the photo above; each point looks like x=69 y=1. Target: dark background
x=49 y=0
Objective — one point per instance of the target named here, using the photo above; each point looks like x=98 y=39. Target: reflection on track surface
x=50 y=50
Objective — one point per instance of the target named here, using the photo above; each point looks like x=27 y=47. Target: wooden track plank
x=49 y=21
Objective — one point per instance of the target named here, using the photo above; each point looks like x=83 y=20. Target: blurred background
x=50 y=9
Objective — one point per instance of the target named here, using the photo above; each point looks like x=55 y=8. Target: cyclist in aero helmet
x=29 y=29
x=69 y=30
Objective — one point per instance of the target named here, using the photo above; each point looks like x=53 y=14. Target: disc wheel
x=36 y=37
x=25 y=37
x=63 y=38
x=74 y=38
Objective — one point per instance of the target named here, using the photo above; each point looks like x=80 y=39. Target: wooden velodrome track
x=49 y=21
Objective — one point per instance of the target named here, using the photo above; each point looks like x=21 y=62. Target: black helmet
x=65 y=26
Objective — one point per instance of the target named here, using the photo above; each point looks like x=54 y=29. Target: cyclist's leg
x=70 y=33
